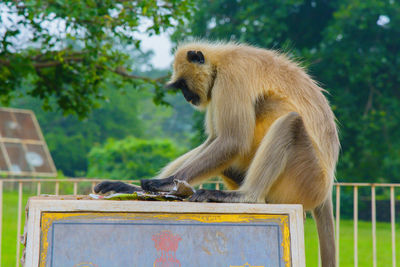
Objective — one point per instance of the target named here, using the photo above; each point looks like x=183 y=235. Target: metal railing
x=217 y=184
x=373 y=187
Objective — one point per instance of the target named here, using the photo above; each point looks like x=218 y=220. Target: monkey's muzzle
x=189 y=95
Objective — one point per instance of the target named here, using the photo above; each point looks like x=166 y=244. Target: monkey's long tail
x=323 y=216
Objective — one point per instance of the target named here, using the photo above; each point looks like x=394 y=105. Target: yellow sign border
x=47 y=219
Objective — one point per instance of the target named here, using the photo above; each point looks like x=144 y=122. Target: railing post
x=93 y=185
x=57 y=188
x=39 y=188
x=1 y=215
x=373 y=215
x=355 y=220
x=75 y=188
x=337 y=222
x=19 y=221
x=393 y=224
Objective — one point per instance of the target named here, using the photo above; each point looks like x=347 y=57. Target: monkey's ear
x=196 y=57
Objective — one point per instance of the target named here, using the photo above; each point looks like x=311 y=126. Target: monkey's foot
x=203 y=195
x=158 y=185
x=115 y=187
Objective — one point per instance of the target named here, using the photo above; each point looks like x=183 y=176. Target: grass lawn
x=9 y=235
x=383 y=247
x=9 y=231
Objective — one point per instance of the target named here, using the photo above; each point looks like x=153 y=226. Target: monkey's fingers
x=115 y=187
x=158 y=185
x=203 y=195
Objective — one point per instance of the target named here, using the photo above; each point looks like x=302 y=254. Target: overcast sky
x=162 y=49
x=159 y=44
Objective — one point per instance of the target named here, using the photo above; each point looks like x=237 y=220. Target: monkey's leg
x=323 y=216
x=268 y=163
x=286 y=170
x=233 y=178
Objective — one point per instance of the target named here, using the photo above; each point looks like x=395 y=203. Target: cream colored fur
x=267 y=118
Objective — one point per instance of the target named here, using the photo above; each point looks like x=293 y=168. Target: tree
x=289 y=24
x=125 y=112
x=65 y=50
x=359 y=61
x=70 y=139
x=131 y=158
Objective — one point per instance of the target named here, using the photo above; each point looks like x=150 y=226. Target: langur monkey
x=272 y=135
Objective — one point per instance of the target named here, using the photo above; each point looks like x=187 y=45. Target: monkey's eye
x=195 y=57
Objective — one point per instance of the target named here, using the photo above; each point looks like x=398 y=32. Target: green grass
x=9 y=231
x=9 y=235
x=346 y=237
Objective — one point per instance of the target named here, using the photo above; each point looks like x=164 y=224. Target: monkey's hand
x=158 y=185
x=115 y=187
x=203 y=195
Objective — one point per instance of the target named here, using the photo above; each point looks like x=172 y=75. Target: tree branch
x=368 y=105
x=45 y=64
x=119 y=70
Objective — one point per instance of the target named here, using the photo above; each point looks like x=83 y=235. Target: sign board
x=160 y=234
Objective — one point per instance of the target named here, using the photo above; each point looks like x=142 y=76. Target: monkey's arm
x=172 y=167
x=233 y=117
x=165 y=180
x=211 y=160
x=178 y=163
x=168 y=171
x=234 y=121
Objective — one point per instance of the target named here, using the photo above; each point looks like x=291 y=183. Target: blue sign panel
x=164 y=240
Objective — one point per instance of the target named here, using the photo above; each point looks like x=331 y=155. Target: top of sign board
x=23 y=150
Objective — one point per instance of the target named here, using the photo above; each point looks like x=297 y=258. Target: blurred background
x=93 y=72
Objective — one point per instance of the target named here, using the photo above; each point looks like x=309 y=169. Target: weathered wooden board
x=143 y=233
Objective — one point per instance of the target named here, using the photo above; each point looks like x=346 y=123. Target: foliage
x=65 y=50
x=272 y=23
x=70 y=139
x=360 y=64
x=198 y=123
x=131 y=158
x=352 y=47
x=125 y=112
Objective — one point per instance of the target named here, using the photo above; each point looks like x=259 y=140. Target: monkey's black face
x=189 y=95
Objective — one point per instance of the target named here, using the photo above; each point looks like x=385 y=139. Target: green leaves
x=360 y=62
x=131 y=158
x=69 y=48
